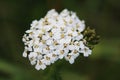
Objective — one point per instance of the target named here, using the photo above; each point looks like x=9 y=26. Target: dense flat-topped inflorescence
x=54 y=37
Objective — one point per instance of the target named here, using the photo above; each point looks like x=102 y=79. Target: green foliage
x=53 y=73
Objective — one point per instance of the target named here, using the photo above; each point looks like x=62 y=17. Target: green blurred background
x=103 y=15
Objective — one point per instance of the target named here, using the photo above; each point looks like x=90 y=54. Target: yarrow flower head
x=54 y=37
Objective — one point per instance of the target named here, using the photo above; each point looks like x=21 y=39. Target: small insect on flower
x=54 y=37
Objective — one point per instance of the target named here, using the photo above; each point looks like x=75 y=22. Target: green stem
x=53 y=73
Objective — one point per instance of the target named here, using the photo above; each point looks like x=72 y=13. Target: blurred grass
x=108 y=48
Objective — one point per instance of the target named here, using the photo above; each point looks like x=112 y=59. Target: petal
x=37 y=66
x=71 y=60
x=43 y=66
x=24 y=54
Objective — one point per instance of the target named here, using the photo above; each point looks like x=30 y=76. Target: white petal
x=71 y=60
x=62 y=41
x=71 y=47
x=79 y=37
x=61 y=56
x=49 y=42
x=75 y=33
x=56 y=36
x=43 y=66
x=51 y=47
x=45 y=37
x=29 y=31
x=82 y=46
x=39 y=57
x=33 y=62
x=85 y=54
x=37 y=66
x=32 y=54
x=64 y=13
x=81 y=26
x=24 y=54
x=68 y=40
x=47 y=62
x=76 y=55
x=34 y=23
x=36 y=49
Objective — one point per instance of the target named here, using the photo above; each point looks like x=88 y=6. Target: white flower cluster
x=56 y=36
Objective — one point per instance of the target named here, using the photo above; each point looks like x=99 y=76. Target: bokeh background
x=103 y=15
